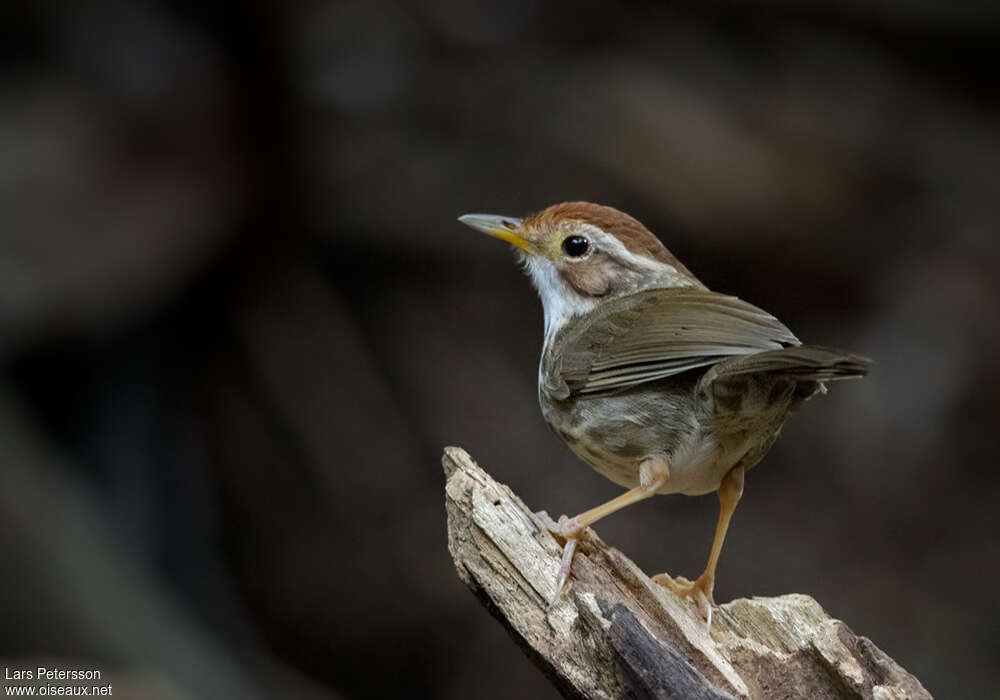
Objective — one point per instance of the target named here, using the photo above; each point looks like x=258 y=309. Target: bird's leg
x=653 y=472
x=701 y=589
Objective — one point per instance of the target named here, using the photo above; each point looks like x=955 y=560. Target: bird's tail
x=802 y=363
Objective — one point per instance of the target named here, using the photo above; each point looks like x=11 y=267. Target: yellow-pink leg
x=653 y=473
x=730 y=491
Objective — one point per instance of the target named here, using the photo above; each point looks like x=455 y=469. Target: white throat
x=558 y=306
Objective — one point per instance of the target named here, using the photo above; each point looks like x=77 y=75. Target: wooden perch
x=616 y=634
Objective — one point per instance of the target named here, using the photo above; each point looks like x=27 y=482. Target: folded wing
x=658 y=333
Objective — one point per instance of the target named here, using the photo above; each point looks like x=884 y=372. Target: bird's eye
x=576 y=246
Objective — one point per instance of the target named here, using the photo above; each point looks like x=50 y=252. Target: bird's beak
x=506 y=228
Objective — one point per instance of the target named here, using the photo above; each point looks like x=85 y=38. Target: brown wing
x=656 y=334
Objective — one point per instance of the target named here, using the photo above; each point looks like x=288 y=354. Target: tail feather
x=799 y=362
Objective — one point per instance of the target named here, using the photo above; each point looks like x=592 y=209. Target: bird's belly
x=613 y=434
x=696 y=469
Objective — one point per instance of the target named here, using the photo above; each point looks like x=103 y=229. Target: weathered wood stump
x=616 y=634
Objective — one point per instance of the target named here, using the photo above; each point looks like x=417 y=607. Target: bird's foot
x=564 y=529
x=700 y=591
x=569 y=531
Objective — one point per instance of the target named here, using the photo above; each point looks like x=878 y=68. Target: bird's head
x=578 y=254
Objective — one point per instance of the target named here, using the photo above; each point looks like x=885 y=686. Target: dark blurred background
x=238 y=319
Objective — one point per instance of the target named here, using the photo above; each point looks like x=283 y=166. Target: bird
x=657 y=382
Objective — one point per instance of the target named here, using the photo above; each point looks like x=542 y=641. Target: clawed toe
x=568 y=530
x=700 y=591
x=567 y=561
x=546 y=519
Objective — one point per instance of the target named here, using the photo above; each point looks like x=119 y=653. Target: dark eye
x=576 y=246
